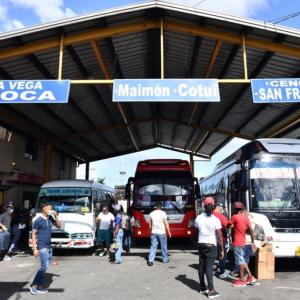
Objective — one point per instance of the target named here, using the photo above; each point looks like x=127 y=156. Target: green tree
x=101 y=180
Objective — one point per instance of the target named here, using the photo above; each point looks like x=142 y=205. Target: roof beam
x=74 y=38
x=102 y=33
x=223 y=73
x=96 y=129
x=291 y=123
x=84 y=73
x=215 y=34
x=208 y=71
x=263 y=62
x=105 y=71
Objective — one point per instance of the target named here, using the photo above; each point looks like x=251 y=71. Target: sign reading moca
x=166 y=90
x=34 y=91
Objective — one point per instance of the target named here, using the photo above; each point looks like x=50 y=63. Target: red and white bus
x=170 y=182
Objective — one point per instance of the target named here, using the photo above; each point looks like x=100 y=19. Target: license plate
x=298 y=251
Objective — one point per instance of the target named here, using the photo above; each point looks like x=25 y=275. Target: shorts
x=104 y=235
x=239 y=253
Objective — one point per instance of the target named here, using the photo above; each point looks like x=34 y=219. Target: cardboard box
x=265 y=263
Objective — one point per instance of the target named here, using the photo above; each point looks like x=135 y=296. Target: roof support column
x=87 y=170
x=192 y=163
x=61 y=57
x=245 y=57
x=162 y=54
x=48 y=161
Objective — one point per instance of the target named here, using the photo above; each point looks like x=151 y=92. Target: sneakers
x=203 y=290
x=101 y=253
x=223 y=275
x=33 y=290
x=108 y=255
x=7 y=258
x=212 y=294
x=250 y=280
x=239 y=283
x=234 y=274
x=42 y=291
x=150 y=263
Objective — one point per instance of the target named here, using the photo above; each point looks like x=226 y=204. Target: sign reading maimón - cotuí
x=34 y=91
x=166 y=90
x=275 y=90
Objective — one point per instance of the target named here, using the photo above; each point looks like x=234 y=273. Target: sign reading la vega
x=34 y=91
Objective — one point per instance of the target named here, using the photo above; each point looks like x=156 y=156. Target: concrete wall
x=62 y=168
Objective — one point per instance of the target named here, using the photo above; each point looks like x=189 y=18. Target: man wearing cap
x=219 y=213
x=240 y=224
x=209 y=228
x=159 y=226
x=118 y=233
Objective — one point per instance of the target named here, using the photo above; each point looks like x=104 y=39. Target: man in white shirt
x=105 y=220
x=209 y=228
x=159 y=226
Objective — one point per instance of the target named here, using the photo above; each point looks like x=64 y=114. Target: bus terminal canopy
x=150 y=40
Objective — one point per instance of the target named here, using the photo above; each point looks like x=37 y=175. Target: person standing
x=209 y=235
x=240 y=224
x=41 y=242
x=5 y=225
x=159 y=227
x=105 y=220
x=118 y=234
x=218 y=212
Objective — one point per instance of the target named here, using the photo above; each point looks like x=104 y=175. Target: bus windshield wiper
x=285 y=204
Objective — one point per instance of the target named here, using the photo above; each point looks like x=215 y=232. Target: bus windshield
x=174 y=189
x=273 y=183
x=66 y=200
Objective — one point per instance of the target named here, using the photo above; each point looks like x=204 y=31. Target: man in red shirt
x=218 y=212
x=240 y=224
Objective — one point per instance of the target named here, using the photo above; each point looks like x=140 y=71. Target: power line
x=284 y=18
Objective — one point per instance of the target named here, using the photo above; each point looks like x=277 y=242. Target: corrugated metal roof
x=91 y=126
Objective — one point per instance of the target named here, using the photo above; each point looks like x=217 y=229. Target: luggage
x=4 y=240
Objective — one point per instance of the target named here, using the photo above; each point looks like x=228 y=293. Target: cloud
x=45 y=10
x=244 y=8
x=6 y=23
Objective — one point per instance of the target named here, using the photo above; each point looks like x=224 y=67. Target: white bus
x=77 y=203
x=265 y=176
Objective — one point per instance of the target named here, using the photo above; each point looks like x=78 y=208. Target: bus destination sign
x=166 y=90
x=276 y=90
x=34 y=91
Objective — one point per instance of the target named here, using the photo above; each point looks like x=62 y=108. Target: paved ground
x=84 y=276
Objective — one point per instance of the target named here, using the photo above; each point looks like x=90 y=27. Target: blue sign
x=275 y=90
x=34 y=91
x=166 y=90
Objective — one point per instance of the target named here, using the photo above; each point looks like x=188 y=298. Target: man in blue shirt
x=41 y=242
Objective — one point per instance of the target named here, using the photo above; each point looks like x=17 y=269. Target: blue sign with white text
x=166 y=90
x=277 y=90
x=34 y=91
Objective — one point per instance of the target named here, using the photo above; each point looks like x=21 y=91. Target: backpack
x=125 y=222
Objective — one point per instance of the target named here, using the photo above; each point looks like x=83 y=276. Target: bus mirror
x=197 y=188
x=245 y=165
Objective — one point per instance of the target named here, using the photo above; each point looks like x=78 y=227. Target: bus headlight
x=191 y=223
x=259 y=233
x=137 y=223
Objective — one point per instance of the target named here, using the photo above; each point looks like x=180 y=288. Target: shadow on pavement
x=8 y=289
x=49 y=279
x=191 y=283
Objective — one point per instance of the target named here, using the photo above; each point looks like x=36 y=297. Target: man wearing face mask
x=5 y=225
x=41 y=242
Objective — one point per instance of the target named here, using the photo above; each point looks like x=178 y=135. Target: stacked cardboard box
x=265 y=262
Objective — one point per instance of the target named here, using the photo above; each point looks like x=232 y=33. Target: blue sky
x=15 y=14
